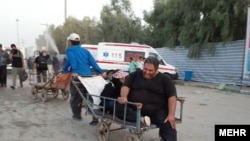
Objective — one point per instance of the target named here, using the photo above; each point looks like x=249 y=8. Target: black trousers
x=3 y=75
x=76 y=99
x=43 y=74
x=167 y=133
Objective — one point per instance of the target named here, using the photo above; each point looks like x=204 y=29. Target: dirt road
x=25 y=119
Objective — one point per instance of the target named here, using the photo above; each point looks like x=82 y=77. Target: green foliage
x=193 y=24
x=119 y=24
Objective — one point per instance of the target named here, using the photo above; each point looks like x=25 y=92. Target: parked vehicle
x=111 y=56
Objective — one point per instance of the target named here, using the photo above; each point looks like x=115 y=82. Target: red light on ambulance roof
x=127 y=45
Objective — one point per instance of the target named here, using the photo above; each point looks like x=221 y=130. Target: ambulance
x=111 y=56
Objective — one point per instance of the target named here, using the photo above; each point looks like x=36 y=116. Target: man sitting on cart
x=78 y=62
x=157 y=93
x=113 y=90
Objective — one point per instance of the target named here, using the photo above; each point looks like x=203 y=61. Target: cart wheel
x=55 y=93
x=34 y=92
x=44 y=95
x=65 y=94
x=131 y=137
x=109 y=123
x=103 y=131
x=131 y=131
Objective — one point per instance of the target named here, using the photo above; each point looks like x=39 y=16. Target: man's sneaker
x=12 y=87
x=77 y=118
x=146 y=120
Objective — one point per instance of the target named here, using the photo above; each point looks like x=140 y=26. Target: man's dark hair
x=75 y=42
x=152 y=60
x=1 y=45
x=12 y=45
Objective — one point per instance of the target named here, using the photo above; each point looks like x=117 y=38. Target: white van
x=111 y=56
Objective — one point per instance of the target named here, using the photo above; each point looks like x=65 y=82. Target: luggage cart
x=136 y=129
x=51 y=87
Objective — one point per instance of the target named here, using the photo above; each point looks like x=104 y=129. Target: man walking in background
x=41 y=65
x=17 y=65
x=4 y=57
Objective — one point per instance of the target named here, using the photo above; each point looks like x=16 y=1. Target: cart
x=54 y=86
x=136 y=129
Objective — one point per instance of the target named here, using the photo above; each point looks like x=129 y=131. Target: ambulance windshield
x=158 y=57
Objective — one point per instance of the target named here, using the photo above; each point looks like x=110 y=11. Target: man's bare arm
x=172 y=105
x=171 y=111
x=124 y=95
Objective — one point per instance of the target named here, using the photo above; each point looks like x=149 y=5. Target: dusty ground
x=25 y=119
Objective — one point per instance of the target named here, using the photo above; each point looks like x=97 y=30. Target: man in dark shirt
x=4 y=56
x=157 y=93
x=41 y=65
x=17 y=65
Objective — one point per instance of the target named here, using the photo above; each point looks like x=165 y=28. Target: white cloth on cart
x=94 y=86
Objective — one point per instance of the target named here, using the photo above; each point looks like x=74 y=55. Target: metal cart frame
x=136 y=129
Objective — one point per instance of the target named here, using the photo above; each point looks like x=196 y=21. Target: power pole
x=17 y=25
x=65 y=10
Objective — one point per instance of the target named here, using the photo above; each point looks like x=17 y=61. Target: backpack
x=42 y=62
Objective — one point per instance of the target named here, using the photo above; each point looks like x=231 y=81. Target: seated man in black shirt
x=157 y=93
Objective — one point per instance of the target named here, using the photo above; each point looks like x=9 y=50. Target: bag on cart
x=61 y=81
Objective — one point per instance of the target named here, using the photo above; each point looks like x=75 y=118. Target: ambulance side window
x=133 y=54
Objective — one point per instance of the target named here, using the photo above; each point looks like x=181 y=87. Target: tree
x=86 y=28
x=119 y=23
x=194 y=24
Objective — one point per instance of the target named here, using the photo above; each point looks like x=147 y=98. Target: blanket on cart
x=94 y=86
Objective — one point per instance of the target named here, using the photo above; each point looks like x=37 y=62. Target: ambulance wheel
x=131 y=137
x=65 y=94
x=34 y=92
x=44 y=95
x=103 y=131
x=55 y=93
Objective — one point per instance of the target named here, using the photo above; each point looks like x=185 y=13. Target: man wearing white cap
x=78 y=62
